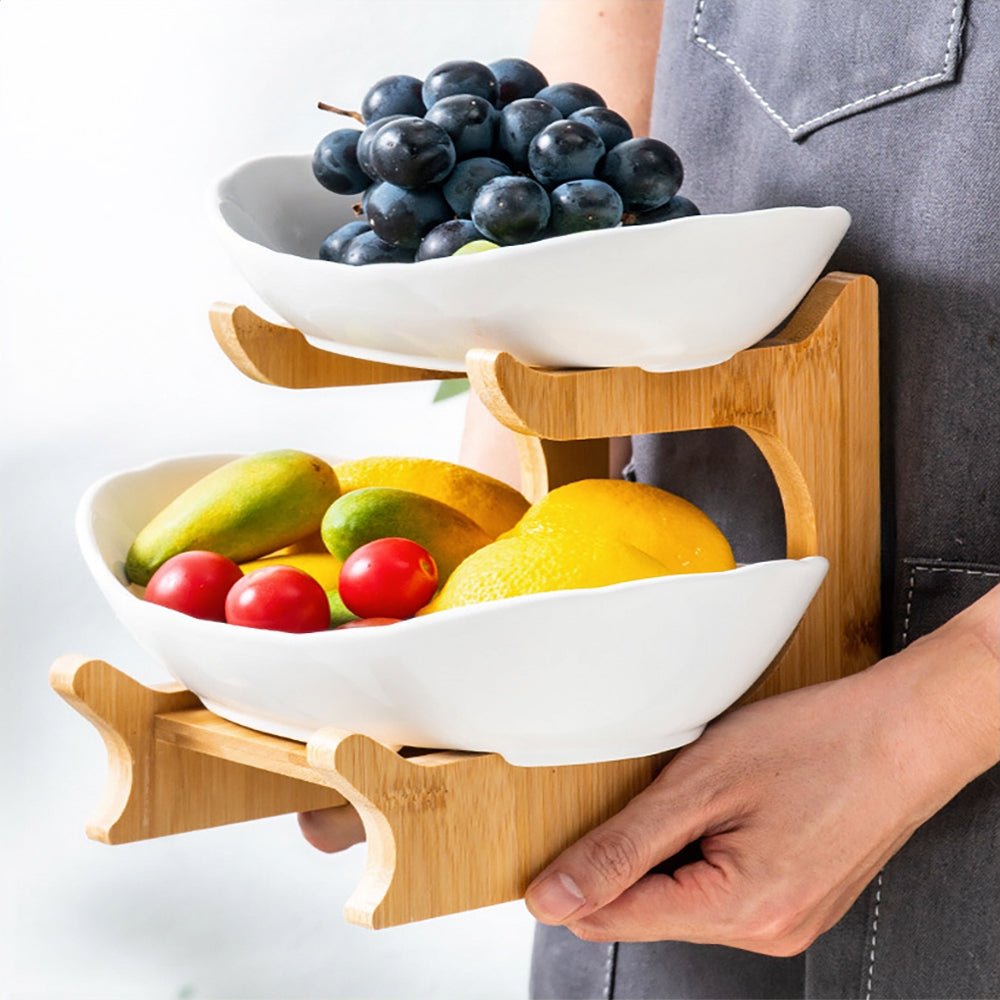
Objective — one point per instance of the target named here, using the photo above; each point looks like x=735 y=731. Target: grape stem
x=356 y=115
x=629 y=219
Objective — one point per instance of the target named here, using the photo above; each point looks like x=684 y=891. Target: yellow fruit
x=541 y=561
x=493 y=505
x=670 y=529
x=312 y=543
x=321 y=566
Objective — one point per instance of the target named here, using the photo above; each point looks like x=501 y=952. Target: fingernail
x=555 y=897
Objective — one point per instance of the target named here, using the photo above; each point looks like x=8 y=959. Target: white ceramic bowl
x=560 y=678
x=667 y=296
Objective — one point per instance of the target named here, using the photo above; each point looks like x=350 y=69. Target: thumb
x=333 y=829
x=613 y=856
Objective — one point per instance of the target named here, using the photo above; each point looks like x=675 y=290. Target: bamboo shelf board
x=449 y=830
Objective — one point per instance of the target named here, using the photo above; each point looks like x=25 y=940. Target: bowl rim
x=109 y=582
x=217 y=196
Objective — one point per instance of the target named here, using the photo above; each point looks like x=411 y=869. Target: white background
x=115 y=118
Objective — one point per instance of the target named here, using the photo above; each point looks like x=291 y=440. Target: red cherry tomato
x=388 y=578
x=281 y=598
x=195 y=583
x=365 y=622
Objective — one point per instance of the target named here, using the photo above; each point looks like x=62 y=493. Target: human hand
x=797 y=802
x=332 y=830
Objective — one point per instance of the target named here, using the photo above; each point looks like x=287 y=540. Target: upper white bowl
x=663 y=297
x=569 y=677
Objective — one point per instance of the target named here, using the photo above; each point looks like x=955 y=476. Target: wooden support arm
x=279 y=355
x=807 y=397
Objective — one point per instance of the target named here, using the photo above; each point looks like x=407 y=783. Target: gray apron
x=890 y=108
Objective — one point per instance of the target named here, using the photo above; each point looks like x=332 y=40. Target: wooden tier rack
x=451 y=830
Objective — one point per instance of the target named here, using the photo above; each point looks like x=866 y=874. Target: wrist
x=942 y=698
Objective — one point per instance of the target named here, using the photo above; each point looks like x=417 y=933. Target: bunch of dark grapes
x=494 y=153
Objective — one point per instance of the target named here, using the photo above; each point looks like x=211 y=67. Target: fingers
x=607 y=860
x=662 y=908
x=332 y=830
x=718 y=903
x=702 y=904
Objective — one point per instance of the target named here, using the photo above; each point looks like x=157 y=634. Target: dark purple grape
x=459 y=77
x=412 y=153
x=335 y=162
x=365 y=143
x=520 y=122
x=393 y=95
x=471 y=122
x=564 y=151
x=581 y=205
x=645 y=172
x=608 y=124
x=367 y=248
x=444 y=240
x=510 y=210
x=367 y=194
x=403 y=217
x=516 y=78
x=678 y=207
x=467 y=178
x=333 y=247
x=570 y=97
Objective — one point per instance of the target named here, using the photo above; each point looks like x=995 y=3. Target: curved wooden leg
x=172 y=765
x=450 y=831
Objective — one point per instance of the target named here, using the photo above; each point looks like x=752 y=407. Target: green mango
x=373 y=512
x=246 y=509
x=340 y=613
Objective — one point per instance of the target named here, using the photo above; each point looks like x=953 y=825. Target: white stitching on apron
x=949 y=51
x=609 y=971
x=732 y=64
x=871 y=964
x=911 y=583
x=910 y=586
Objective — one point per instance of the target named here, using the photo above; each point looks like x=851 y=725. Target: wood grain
x=455 y=831
x=546 y=464
x=279 y=355
x=158 y=785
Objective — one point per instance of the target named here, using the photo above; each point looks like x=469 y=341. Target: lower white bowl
x=569 y=677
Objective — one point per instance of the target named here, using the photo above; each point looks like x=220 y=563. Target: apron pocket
x=934 y=591
x=812 y=62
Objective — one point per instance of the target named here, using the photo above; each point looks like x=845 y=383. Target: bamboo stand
x=451 y=830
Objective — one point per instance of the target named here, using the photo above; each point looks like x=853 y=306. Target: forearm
x=487 y=445
x=610 y=45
